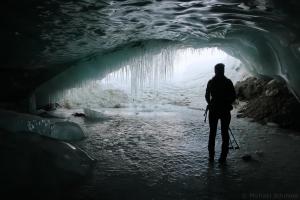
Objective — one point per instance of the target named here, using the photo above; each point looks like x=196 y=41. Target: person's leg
x=225 y=121
x=213 y=123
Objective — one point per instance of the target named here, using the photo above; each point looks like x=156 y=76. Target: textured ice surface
x=101 y=36
x=66 y=131
x=53 y=128
x=163 y=155
x=259 y=33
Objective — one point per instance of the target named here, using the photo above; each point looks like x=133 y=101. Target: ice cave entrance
x=151 y=87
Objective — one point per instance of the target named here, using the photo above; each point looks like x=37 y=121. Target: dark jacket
x=220 y=93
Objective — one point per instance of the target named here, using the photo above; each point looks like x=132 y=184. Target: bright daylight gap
x=182 y=85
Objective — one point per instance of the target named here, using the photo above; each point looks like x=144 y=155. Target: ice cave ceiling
x=40 y=39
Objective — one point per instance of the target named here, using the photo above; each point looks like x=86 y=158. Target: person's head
x=219 y=69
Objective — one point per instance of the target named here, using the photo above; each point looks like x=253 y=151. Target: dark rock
x=249 y=88
x=268 y=102
x=117 y=106
x=79 y=114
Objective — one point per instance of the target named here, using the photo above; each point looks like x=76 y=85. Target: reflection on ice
x=164 y=154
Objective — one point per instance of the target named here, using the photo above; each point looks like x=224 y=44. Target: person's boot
x=211 y=157
x=222 y=160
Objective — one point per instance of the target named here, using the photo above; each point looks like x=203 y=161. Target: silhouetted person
x=220 y=95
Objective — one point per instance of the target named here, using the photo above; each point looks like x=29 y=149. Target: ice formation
x=184 y=83
x=149 y=69
x=152 y=63
x=263 y=35
x=35 y=164
x=94 y=114
x=66 y=131
x=53 y=128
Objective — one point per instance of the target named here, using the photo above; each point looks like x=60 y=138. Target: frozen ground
x=154 y=145
x=162 y=154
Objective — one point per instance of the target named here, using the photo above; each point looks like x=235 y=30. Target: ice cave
x=106 y=99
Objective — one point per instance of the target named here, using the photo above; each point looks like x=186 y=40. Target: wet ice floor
x=163 y=155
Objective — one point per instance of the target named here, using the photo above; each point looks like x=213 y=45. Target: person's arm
x=207 y=93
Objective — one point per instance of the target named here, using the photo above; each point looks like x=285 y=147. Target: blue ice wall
x=264 y=35
x=272 y=53
x=262 y=52
x=146 y=60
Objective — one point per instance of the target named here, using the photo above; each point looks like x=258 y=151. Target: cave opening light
x=182 y=82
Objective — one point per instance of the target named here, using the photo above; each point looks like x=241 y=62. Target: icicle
x=87 y=83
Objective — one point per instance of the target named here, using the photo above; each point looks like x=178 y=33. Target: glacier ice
x=183 y=86
x=66 y=131
x=53 y=128
x=95 y=95
x=258 y=51
x=264 y=35
x=149 y=68
x=39 y=163
x=155 y=61
x=94 y=114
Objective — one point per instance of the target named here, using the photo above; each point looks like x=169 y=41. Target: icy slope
x=53 y=128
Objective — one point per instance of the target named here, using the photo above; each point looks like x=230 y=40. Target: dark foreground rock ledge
x=268 y=101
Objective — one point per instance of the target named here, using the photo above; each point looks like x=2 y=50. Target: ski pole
x=205 y=114
x=237 y=145
x=231 y=143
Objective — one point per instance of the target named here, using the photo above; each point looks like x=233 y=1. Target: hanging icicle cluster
x=143 y=66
